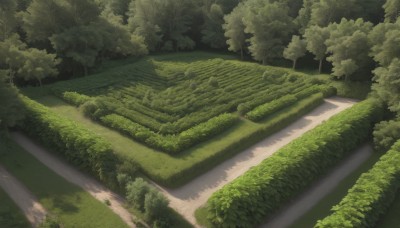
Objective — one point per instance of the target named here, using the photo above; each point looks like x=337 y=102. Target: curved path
x=70 y=173
x=26 y=201
x=317 y=192
x=188 y=198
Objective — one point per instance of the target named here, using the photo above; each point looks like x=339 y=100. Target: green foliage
x=155 y=205
x=243 y=109
x=12 y=109
x=386 y=133
x=136 y=192
x=392 y=8
x=213 y=34
x=234 y=29
x=250 y=198
x=261 y=112
x=80 y=146
x=213 y=82
x=295 y=50
x=75 y=98
x=371 y=195
x=326 y=11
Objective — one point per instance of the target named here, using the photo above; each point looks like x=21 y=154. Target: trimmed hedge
x=267 y=109
x=80 y=146
x=171 y=143
x=370 y=197
x=277 y=123
x=262 y=190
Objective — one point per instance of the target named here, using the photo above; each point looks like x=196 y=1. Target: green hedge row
x=80 y=146
x=267 y=109
x=247 y=200
x=262 y=111
x=75 y=98
x=171 y=143
x=278 y=122
x=371 y=196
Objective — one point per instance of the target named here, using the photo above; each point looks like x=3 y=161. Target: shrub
x=193 y=85
x=265 y=188
x=80 y=146
x=243 y=109
x=123 y=179
x=136 y=192
x=89 y=108
x=370 y=197
x=213 y=82
x=385 y=134
x=261 y=112
x=190 y=74
x=75 y=98
x=155 y=205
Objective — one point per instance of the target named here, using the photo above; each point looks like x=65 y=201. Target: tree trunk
x=294 y=64
x=40 y=82
x=320 y=66
x=241 y=53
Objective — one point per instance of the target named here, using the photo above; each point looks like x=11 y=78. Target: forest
x=189 y=84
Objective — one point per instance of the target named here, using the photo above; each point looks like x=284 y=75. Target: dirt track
x=188 y=198
x=68 y=172
x=33 y=210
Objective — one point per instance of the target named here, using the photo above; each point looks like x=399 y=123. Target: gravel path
x=188 y=198
x=70 y=173
x=315 y=194
x=33 y=210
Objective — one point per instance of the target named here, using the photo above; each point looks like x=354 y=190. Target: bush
x=80 y=146
x=190 y=74
x=386 y=133
x=155 y=205
x=123 y=179
x=243 y=109
x=75 y=98
x=261 y=112
x=213 y=82
x=136 y=192
x=89 y=108
x=262 y=190
x=370 y=197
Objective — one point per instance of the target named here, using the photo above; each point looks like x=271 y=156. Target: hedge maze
x=173 y=105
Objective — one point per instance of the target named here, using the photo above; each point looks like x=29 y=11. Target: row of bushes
x=275 y=124
x=265 y=188
x=171 y=143
x=262 y=111
x=370 y=197
x=80 y=146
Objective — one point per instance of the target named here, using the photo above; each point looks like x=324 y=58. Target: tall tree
x=316 y=37
x=386 y=44
x=8 y=19
x=392 y=10
x=388 y=84
x=12 y=109
x=234 y=30
x=304 y=17
x=213 y=33
x=349 y=47
x=326 y=11
x=295 y=50
x=270 y=27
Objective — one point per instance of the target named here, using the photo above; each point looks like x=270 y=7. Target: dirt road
x=26 y=201
x=70 y=173
x=188 y=198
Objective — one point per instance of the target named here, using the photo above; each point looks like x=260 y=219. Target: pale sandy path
x=33 y=210
x=188 y=198
x=318 y=191
x=68 y=172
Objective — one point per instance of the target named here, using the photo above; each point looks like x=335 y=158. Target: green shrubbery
x=265 y=110
x=79 y=145
x=171 y=143
x=263 y=189
x=386 y=133
x=75 y=98
x=371 y=196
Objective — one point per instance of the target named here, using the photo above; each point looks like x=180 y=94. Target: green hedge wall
x=370 y=197
x=246 y=201
x=80 y=146
x=285 y=118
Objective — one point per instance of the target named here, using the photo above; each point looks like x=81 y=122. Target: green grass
x=322 y=209
x=71 y=205
x=176 y=220
x=10 y=214
x=158 y=165
x=201 y=217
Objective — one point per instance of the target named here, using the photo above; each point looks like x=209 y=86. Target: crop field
x=180 y=104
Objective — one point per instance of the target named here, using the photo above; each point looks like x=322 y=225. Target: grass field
x=166 y=110
x=72 y=206
x=10 y=214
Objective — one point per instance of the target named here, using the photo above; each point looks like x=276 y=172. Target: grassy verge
x=174 y=170
x=322 y=209
x=72 y=206
x=10 y=215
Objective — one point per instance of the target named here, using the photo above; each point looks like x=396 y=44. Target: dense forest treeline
x=48 y=38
